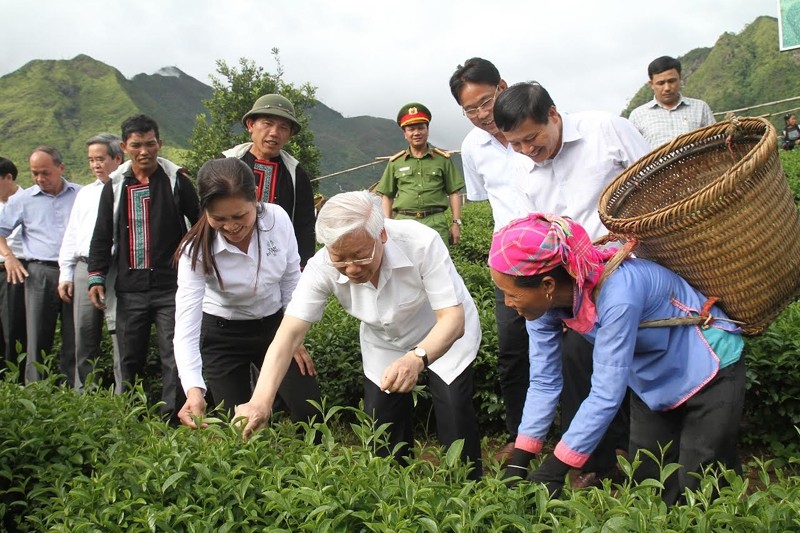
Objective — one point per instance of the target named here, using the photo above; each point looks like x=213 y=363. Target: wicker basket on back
x=720 y=214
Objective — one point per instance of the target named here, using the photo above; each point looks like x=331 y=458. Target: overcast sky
x=371 y=57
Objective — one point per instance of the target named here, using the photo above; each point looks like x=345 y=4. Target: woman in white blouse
x=237 y=269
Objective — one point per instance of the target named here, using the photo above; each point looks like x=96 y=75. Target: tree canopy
x=234 y=91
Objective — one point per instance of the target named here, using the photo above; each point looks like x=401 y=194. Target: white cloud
x=368 y=57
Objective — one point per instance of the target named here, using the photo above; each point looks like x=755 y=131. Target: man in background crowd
x=669 y=113
x=280 y=178
x=105 y=155
x=12 y=295
x=422 y=181
x=42 y=212
x=142 y=216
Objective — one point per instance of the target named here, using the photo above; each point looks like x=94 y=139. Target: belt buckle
x=419 y=214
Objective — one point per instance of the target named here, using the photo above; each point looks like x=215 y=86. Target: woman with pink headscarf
x=687 y=380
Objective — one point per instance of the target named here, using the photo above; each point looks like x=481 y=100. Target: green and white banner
x=789 y=24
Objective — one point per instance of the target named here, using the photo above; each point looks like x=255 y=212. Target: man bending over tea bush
x=416 y=314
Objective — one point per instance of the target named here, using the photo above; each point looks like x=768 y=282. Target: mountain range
x=64 y=102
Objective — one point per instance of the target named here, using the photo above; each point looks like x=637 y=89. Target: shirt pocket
x=409 y=314
x=433 y=180
x=404 y=178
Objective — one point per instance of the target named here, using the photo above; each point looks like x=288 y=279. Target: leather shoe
x=504 y=454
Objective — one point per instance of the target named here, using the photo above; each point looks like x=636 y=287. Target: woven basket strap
x=613 y=263
x=704 y=318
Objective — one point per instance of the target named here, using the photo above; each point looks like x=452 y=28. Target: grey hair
x=349 y=212
x=112 y=142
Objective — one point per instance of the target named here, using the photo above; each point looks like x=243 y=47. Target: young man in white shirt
x=396 y=276
x=491 y=170
x=104 y=155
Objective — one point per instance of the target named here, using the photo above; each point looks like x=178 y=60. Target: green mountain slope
x=65 y=102
x=741 y=70
x=60 y=103
x=351 y=142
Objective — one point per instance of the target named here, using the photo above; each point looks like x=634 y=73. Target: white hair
x=349 y=212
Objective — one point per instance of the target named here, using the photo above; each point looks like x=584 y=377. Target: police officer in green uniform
x=422 y=182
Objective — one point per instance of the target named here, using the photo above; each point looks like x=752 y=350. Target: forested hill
x=739 y=71
x=64 y=102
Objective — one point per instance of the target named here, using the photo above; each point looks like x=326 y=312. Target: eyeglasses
x=356 y=262
x=472 y=112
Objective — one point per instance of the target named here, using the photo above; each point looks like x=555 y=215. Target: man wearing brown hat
x=422 y=181
x=279 y=177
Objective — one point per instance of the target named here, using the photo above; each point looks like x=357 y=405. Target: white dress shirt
x=595 y=148
x=14 y=241
x=78 y=235
x=416 y=277
x=251 y=290
x=491 y=172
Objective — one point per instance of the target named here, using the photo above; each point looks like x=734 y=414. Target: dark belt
x=255 y=322
x=53 y=264
x=422 y=213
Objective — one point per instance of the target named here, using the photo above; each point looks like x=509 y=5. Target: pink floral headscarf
x=539 y=243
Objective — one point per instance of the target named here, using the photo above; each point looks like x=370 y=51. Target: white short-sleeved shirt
x=250 y=291
x=417 y=277
x=78 y=235
x=595 y=148
x=491 y=171
x=14 y=240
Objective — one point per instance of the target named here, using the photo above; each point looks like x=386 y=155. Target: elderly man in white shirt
x=104 y=155
x=396 y=276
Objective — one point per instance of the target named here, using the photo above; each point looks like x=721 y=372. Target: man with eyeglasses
x=280 y=179
x=491 y=170
x=421 y=182
x=416 y=314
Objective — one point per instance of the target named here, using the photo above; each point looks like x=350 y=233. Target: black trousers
x=455 y=416
x=700 y=432
x=576 y=356
x=136 y=312
x=12 y=318
x=43 y=308
x=230 y=348
x=513 y=363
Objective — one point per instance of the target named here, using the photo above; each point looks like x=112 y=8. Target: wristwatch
x=457 y=221
x=422 y=354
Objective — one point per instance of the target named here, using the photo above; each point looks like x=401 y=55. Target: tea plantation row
x=99 y=462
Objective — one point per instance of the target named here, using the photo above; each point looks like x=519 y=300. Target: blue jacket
x=664 y=366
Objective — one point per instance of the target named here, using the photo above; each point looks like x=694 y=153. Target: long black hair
x=218 y=178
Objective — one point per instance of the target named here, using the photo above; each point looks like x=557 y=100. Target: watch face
x=420 y=352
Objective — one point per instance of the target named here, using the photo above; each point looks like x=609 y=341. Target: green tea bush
x=96 y=462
